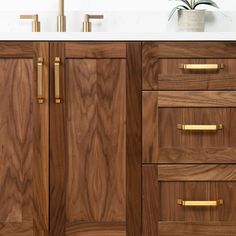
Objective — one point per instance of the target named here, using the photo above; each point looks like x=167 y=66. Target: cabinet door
x=23 y=139
x=91 y=135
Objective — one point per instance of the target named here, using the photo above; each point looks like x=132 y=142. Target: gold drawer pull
x=57 y=79
x=200 y=127
x=200 y=203
x=201 y=66
x=40 y=97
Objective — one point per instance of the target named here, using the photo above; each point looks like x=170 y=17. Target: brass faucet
x=87 y=25
x=35 y=22
x=61 y=18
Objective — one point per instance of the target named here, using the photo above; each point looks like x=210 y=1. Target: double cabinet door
x=64 y=129
x=189 y=139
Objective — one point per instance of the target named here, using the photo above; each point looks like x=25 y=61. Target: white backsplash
x=117 y=21
x=104 y=5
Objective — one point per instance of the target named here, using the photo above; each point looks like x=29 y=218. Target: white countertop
x=110 y=36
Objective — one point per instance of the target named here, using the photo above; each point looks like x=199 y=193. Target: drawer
x=189 y=200
x=189 y=127
x=189 y=66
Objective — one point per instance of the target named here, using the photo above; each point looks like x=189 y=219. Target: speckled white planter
x=191 y=20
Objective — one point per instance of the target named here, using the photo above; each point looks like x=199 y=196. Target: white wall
x=99 y=5
x=120 y=15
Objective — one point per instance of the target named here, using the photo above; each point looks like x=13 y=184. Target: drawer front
x=189 y=66
x=189 y=127
x=176 y=196
x=196 y=229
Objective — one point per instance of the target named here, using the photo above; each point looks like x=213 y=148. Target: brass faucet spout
x=61 y=8
x=61 y=18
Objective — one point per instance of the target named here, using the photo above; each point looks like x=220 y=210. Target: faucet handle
x=35 y=22
x=87 y=25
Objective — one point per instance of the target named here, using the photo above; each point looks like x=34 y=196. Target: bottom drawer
x=189 y=200
x=196 y=229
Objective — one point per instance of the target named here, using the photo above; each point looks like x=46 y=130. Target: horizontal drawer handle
x=201 y=66
x=200 y=203
x=200 y=127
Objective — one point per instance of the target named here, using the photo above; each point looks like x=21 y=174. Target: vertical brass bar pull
x=57 y=80
x=40 y=96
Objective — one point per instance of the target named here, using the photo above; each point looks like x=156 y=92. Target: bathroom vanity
x=118 y=137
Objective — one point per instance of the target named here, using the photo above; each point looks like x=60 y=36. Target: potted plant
x=189 y=18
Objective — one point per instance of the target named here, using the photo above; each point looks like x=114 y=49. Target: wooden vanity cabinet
x=86 y=122
x=92 y=138
x=24 y=139
x=95 y=138
x=189 y=138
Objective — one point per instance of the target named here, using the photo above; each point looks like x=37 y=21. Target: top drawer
x=189 y=66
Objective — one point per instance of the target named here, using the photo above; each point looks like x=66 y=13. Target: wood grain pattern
x=150 y=128
x=17 y=49
x=172 y=77
x=160 y=198
x=190 y=49
x=23 y=141
x=96 y=229
x=95 y=50
x=15 y=139
x=197 y=191
x=96 y=140
x=196 y=147
x=197 y=229
x=96 y=190
x=196 y=99
x=150 y=193
x=41 y=149
x=184 y=172
x=134 y=140
x=164 y=143
x=17 y=229
x=161 y=60
x=196 y=172
x=196 y=82
x=196 y=155
x=58 y=162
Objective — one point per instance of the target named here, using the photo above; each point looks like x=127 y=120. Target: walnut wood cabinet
x=117 y=138
x=188 y=139
x=95 y=166
x=70 y=139
x=24 y=140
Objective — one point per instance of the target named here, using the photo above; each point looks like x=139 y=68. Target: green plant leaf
x=185 y=2
x=179 y=7
x=205 y=2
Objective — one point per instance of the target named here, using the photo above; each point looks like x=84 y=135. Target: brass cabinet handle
x=200 y=127
x=199 y=203
x=40 y=96
x=57 y=80
x=201 y=66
